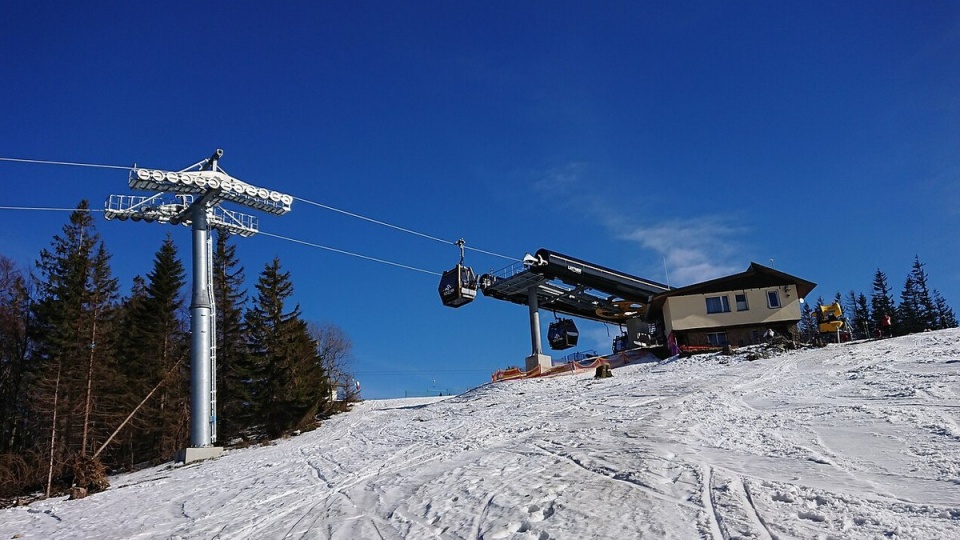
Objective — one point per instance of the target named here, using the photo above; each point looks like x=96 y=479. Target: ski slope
x=859 y=440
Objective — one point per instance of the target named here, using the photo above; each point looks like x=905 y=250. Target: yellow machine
x=831 y=323
x=830 y=318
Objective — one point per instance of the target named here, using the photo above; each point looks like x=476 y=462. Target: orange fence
x=633 y=356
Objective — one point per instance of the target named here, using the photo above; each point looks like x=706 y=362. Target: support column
x=536 y=358
x=200 y=338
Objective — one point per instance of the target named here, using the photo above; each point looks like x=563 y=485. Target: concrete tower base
x=542 y=360
x=189 y=455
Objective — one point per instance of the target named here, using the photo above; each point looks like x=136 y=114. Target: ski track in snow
x=860 y=440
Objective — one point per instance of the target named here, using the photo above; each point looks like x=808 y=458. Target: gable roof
x=756 y=276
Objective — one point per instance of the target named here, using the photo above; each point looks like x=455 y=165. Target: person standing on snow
x=886 y=326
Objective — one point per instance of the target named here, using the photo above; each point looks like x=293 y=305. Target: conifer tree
x=155 y=342
x=881 y=301
x=808 y=324
x=925 y=303
x=849 y=305
x=945 y=315
x=234 y=370
x=101 y=376
x=923 y=308
x=288 y=383
x=14 y=346
x=909 y=311
x=75 y=300
x=862 y=316
x=857 y=317
x=125 y=450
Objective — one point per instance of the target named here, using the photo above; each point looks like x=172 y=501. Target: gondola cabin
x=621 y=343
x=458 y=286
x=562 y=334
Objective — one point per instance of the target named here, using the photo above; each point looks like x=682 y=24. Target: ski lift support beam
x=572 y=287
x=569 y=286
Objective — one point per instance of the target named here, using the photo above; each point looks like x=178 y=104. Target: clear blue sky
x=677 y=141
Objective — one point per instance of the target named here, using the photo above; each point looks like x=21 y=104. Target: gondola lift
x=458 y=286
x=563 y=334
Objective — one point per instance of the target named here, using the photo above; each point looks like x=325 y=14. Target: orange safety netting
x=614 y=360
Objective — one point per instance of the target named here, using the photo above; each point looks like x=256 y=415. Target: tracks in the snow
x=730 y=507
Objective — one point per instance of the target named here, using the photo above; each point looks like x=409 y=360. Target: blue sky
x=674 y=141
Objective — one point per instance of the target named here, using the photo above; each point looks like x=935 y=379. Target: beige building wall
x=690 y=312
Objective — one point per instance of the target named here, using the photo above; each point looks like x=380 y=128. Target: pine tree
x=75 y=300
x=14 y=347
x=862 y=315
x=881 y=301
x=156 y=340
x=101 y=377
x=909 y=311
x=857 y=317
x=234 y=370
x=288 y=384
x=923 y=308
x=808 y=324
x=849 y=306
x=125 y=451
x=945 y=315
x=926 y=304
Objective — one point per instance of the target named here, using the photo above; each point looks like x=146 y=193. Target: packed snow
x=857 y=440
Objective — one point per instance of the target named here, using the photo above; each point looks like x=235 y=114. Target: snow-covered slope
x=858 y=440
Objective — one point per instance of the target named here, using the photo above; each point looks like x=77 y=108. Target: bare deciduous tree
x=333 y=349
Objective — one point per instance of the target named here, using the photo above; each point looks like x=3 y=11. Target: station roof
x=756 y=276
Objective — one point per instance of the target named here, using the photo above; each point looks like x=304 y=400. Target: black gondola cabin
x=562 y=334
x=458 y=286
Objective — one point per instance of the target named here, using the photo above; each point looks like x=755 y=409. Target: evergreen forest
x=921 y=308
x=95 y=380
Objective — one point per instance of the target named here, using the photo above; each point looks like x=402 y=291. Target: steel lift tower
x=193 y=197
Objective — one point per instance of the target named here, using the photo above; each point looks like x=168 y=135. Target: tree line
x=921 y=308
x=92 y=380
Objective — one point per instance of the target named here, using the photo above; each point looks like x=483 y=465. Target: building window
x=773 y=299
x=718 y=304
x=742 y=302
x=717 y=339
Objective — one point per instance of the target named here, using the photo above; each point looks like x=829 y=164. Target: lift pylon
x=194 y=197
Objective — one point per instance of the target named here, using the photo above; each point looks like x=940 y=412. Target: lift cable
x=305 y=201
x=343 y=252
x=402 y=229
x=48 y=209
x=294 y=240
x=69 y=163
